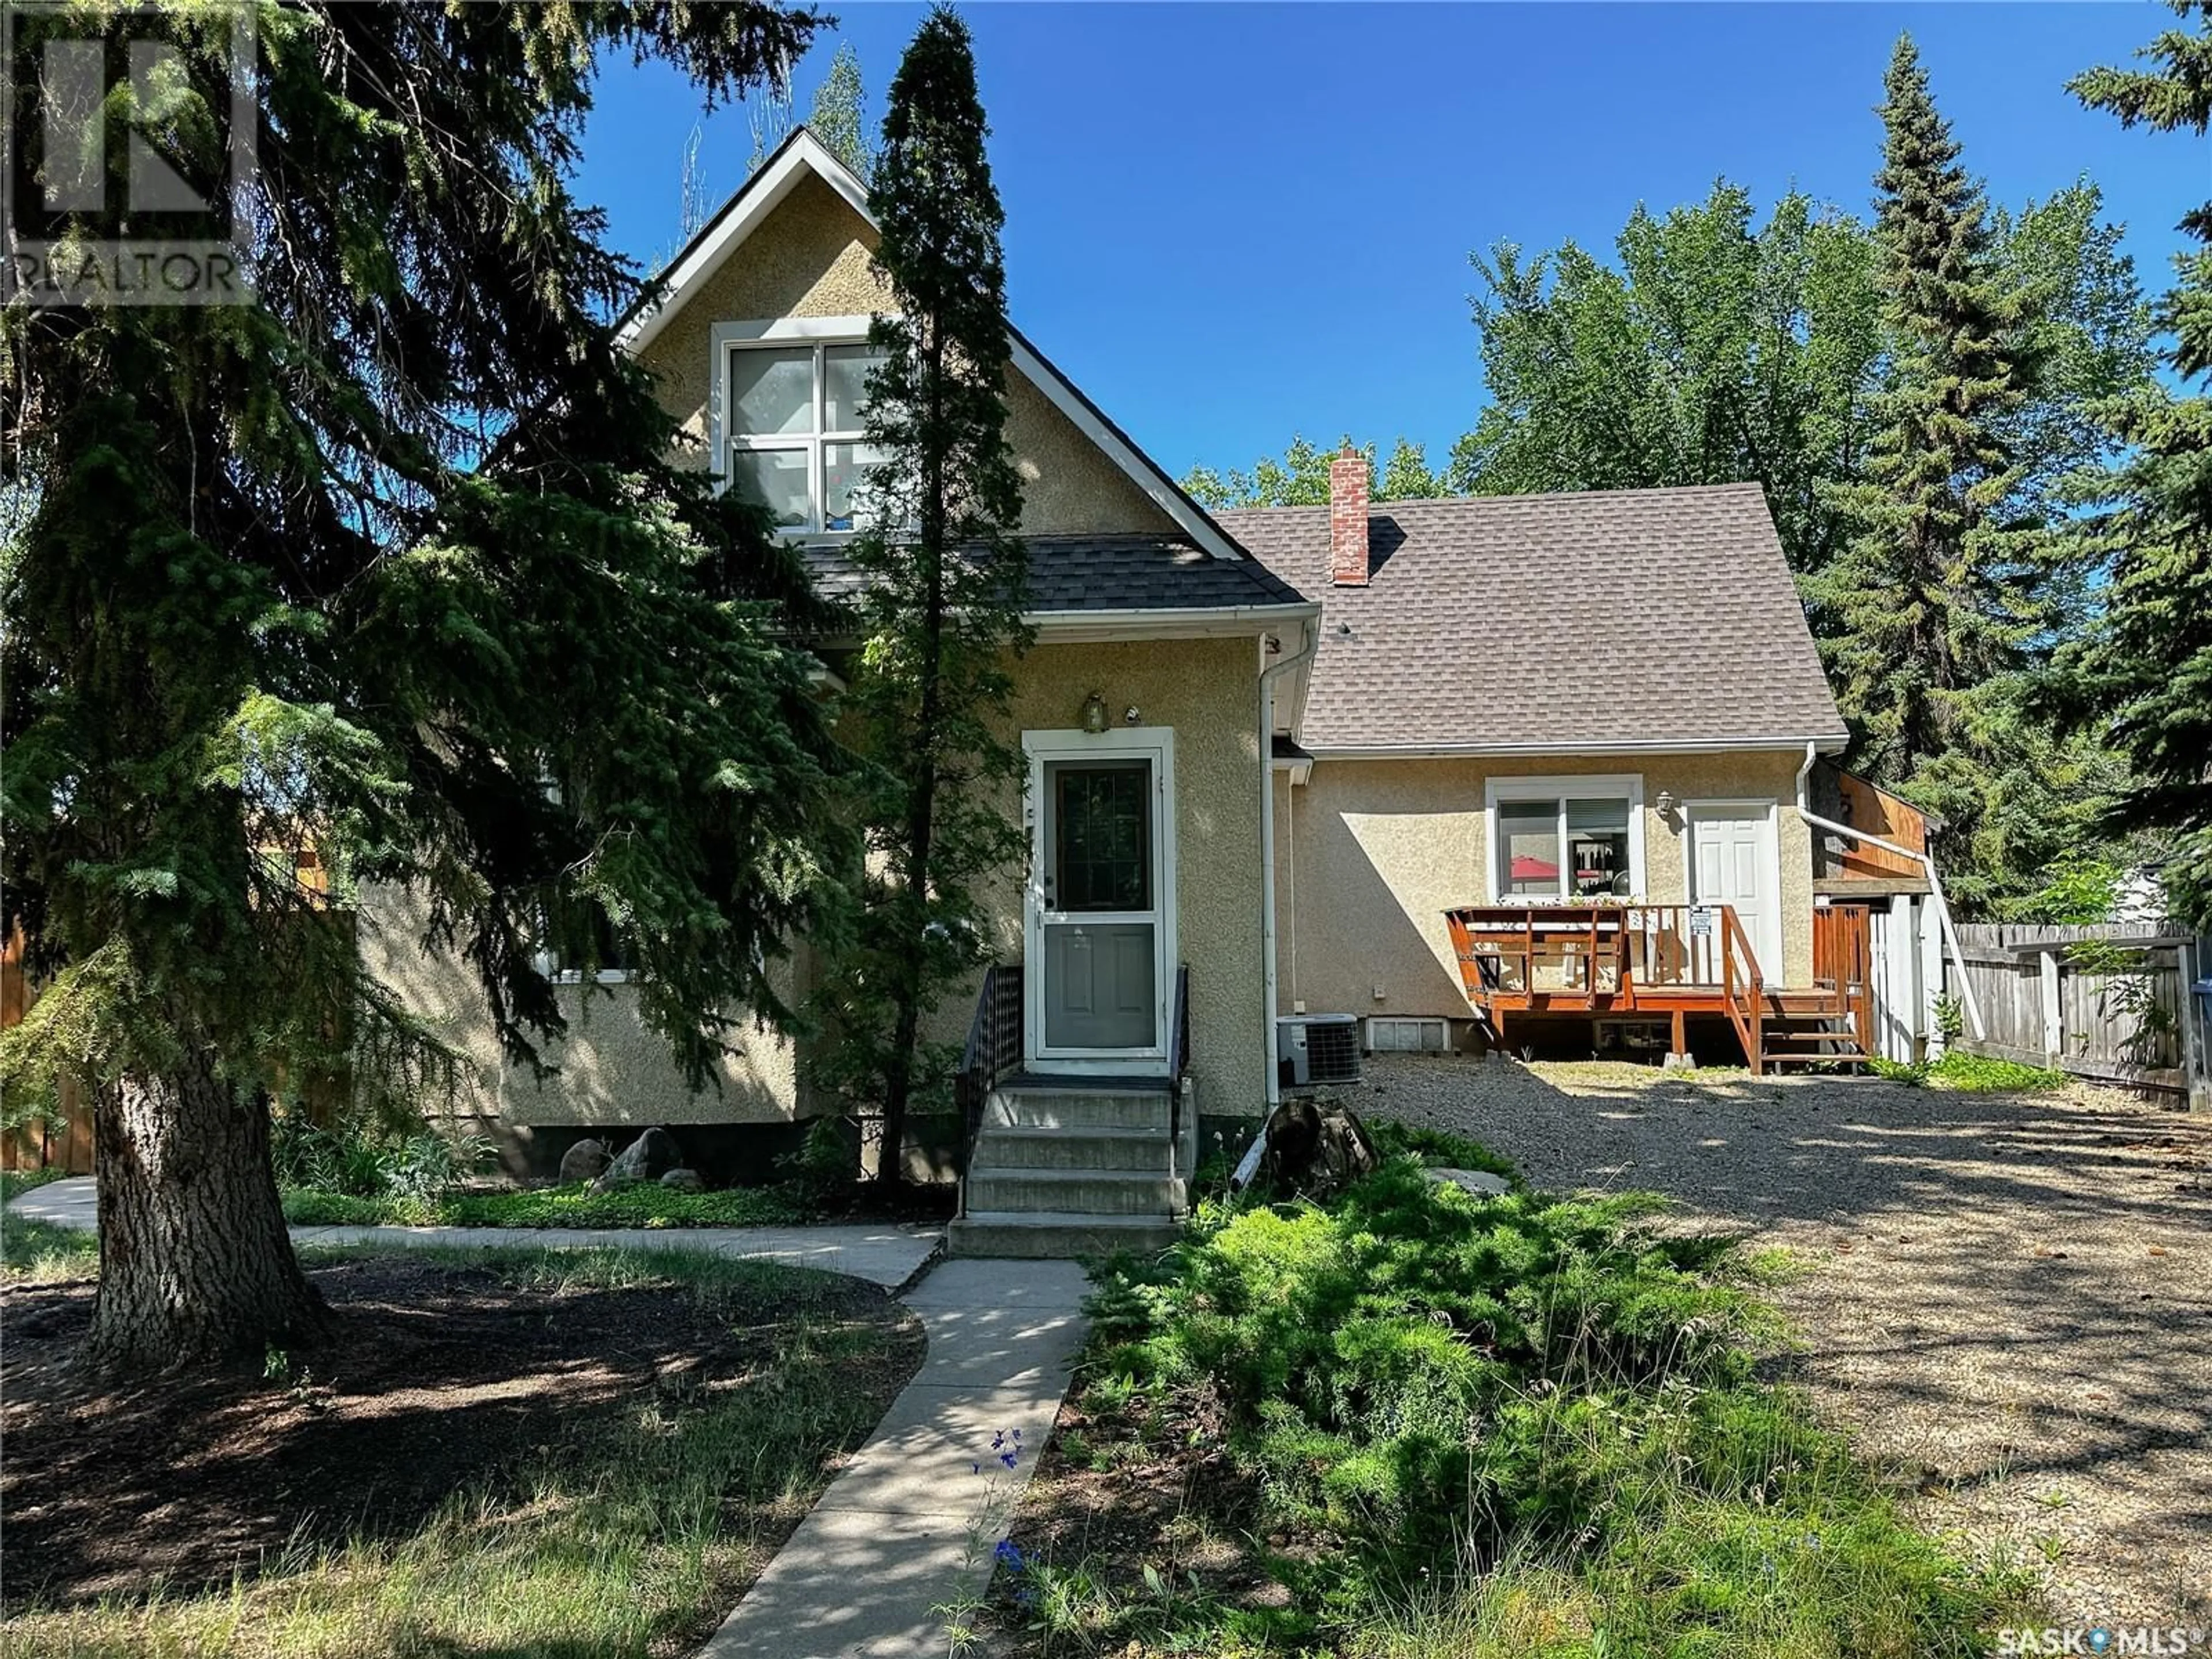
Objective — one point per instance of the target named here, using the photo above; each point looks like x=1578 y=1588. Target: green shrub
x=1428 y=1385
x=1392 y=1363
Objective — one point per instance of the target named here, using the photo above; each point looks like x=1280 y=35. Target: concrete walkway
x=910 y=1522
x=886 y=1253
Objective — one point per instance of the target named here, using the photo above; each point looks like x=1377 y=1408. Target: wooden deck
x=1672 y=960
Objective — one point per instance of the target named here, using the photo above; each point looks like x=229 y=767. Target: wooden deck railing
x=1602 y=950
x=1843 y=962
x=1609 y=957
x=1741 y=987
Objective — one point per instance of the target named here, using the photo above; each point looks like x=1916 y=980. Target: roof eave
x=1828 y=743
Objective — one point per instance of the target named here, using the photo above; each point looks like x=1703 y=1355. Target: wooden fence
x=64 y=1141
x=2112 y=1002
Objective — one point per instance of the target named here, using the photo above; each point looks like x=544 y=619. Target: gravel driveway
x=2006 y=1298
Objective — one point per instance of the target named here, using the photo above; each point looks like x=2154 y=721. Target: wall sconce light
x=1667 y=803
x=1094 y=713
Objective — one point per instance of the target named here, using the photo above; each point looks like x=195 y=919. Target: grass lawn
x=529 y=1454
x=38 y=1252
x=1418 y=1425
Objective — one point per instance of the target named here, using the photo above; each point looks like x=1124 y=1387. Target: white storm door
x=1733 y=861
x=1100 y=904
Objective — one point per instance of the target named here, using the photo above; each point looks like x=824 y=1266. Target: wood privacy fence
x=64 y=1141
x=2113 y=1002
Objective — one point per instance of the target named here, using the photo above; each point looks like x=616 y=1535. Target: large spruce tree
x=395 y=563
x=1939 y=591
x=941 y=614
x=2145 y=672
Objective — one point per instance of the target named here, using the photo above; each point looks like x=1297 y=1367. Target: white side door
x=1733 y=861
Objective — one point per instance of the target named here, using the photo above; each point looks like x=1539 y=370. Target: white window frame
x=781 y=334
x=1586 y=786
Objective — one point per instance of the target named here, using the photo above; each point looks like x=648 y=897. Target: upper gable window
x=795 y=419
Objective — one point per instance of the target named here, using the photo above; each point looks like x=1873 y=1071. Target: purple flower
x=1009 y=1557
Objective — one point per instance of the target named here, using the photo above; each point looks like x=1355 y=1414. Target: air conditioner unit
x=1311 y=1049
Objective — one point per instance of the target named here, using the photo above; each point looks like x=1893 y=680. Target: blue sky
x=1231 y=222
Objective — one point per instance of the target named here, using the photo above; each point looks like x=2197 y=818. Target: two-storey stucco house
x=1316 y=758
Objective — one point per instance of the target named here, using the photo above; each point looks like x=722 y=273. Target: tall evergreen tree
x=941 y=615
x=393 y=562
x=2145 y=672
x=838 y=116
x=1938 y=591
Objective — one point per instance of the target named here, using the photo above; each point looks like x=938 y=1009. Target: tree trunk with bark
x=195 y=1264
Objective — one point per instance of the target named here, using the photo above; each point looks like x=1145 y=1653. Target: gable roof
x=1609 y=621
x=802 y=155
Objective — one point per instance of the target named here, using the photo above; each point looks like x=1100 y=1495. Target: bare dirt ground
x=2006 y=1299
x=440 y=1378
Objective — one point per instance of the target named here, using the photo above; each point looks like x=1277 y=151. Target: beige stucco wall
x=811 y=258
x=1208 y=691
x=1378 y=850
x=614 y=1070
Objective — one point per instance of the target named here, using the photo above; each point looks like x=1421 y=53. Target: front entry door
x=1098 y=906
x=1732 y=861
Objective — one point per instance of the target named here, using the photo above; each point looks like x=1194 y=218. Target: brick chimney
x=1347 y=518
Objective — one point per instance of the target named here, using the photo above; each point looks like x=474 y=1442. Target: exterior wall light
x=1667 y=804
x=1094 y=713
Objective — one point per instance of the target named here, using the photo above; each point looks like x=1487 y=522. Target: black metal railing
x=1178 y=1063
x=994 y=1050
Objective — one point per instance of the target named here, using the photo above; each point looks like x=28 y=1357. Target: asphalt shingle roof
x=1107 y=573
x=1613 y=617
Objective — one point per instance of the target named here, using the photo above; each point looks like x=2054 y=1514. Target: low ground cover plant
x=1972 y=1074
x=648 y=1206
x=1415 y=1422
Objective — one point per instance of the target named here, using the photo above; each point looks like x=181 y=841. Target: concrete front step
x=1036 y=1234
x=1142 y=1151
x=1030 y=1108
x=1084 y=1192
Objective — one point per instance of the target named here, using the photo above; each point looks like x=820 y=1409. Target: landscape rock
x=1480 y=1182
x=585 y=1161
x=685 y=1180
x=649 y=1157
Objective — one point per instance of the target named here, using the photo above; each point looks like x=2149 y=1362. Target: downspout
x=1936 y=899
x=1311 y=634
